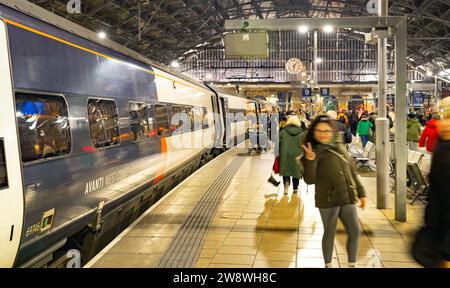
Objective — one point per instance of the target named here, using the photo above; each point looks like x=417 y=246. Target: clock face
x=294 y=66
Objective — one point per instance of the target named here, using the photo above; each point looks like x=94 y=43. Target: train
x=92 y=134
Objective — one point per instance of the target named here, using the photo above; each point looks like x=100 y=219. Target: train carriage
x=91 y=135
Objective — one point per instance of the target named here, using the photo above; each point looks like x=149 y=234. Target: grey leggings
x=349 y=218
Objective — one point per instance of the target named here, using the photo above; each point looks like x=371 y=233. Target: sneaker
x=286 y=189
x=328 y=265
x=295 y=191
x=353 y=265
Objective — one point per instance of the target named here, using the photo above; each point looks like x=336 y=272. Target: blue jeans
x=364 y=139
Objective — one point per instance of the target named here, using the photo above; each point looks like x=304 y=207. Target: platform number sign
x=306 y=92
x=325 y=92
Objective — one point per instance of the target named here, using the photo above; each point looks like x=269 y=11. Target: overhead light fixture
x=328 y=28
x=101 y=35
x=303 y=74
x=175 y=64
x=429 y=73
x=442 y=73
x=303 y=29
x=303 y=82
x=413 y=81
x=229 y=84
x=209 y=76
x=318 y=60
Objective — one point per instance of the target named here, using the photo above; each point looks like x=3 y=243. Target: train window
x=103 y=122
x=151 y=120
x=177 y=111
x=43 y=126
x=162 y=120
x=205 y=118
x=190 y=114
x=3 y=173
x=140 y=123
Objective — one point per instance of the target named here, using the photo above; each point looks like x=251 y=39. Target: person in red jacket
x=430 y=134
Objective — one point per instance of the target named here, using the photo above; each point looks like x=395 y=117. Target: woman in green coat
x=291 y=137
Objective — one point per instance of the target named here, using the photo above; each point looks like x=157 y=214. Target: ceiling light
x=318 y=60
x=328 y=28
x=303 y=29
x=175 y=64
x=209 y=76
x=102 y=35
x=429 y=73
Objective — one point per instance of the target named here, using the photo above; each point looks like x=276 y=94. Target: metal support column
x=400 y=130
x=316 y=76
x=436 y=98
x=382 y=122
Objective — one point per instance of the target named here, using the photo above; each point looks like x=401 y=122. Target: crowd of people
x=313 y=149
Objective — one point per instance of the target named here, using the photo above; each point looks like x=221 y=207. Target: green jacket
x=335 y=177
x=291 y=138
x=413 y=130
x=363 y=127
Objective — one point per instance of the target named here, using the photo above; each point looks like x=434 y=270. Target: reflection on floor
x=255 y=225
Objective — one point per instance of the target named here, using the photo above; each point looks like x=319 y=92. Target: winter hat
x=332 y=114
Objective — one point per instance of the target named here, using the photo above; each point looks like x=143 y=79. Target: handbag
x=276 y=165
x=425 y=249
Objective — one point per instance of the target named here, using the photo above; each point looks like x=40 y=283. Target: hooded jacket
x=413 y=130
x=429 y=135
x=291 y=137
x=342 y=118
x=363 y=127
x=334 y=175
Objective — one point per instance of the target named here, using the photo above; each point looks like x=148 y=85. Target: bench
x=362 y=156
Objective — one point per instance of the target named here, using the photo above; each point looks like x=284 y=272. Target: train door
x=218 y=122
x=226 y=121
x=11 y=192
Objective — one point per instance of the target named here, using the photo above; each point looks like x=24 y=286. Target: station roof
x=165 y=30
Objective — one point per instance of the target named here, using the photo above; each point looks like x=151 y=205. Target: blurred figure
x=328 y=165
x=344 y=132
x=307 y=116
x=437 y=212
x=342 y=118
x=413 y=131
x=430 y=133
x=290 y=151
x=363 y=128
x=353 y=121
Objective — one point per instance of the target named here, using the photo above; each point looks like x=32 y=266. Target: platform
x=228 y=215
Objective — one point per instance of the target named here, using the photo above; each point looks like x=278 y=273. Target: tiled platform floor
x=257 y=226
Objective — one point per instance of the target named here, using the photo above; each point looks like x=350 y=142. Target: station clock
x=294 y=66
